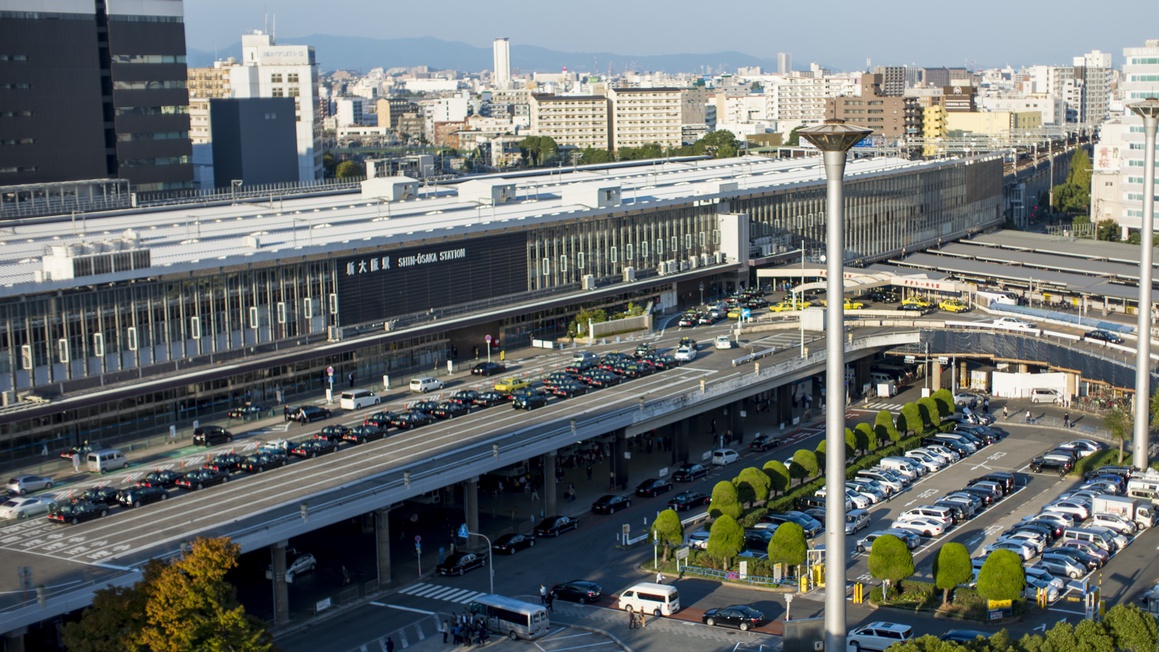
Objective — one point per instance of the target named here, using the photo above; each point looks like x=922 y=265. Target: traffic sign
x=746 y=313
x=418 y=539
x=463 y=528
x=487 y=339
x=329 y=371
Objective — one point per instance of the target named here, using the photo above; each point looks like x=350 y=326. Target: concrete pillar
x=936 y=381
x=736 y=422
x=14 y=640
x=471 y=503
x=783 y=405
x=382 y=544
x=549 y=482
x=281 y=589
x=679 y=433
x=618 y=472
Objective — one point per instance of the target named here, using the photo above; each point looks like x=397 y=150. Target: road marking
x=1041 y=628
x=402 y=608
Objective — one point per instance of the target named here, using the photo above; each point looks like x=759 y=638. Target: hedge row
x=1092 y=462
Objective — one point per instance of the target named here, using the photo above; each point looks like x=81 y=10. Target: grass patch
x=1092 y=462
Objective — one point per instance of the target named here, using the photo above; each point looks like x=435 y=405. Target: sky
x=976 y=33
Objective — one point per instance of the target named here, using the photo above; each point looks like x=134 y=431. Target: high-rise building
x=1093 y=69
x=271 y=70
x=784 y=63
x=94 y=90
x=642 y=116
x=501 y=50
x=205 y=85
x=893 y=80
x=889 y=116
x=573 y=120
x=1140 y=68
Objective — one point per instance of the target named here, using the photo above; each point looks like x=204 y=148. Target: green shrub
x=1092 y=462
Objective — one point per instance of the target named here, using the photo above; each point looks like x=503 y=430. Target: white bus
x=510 y=617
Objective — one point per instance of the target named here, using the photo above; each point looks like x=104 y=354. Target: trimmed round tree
x=1002 y=576
x=778 y=473
x=807 y=460
x=945 y=400
x=864 y=437
x=929 y=410
x=951 y=568
x=850 y=444
x=884 y=427
x=725 y=539
x=788 y=545
x=890 y=561
x=668 y=530
x=725 y=500
x=910 y=419
x=752 y=485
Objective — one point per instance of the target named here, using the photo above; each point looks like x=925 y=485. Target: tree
x=1002 y=576
x=1133 y=629
x=752 y=485
x=822 y=448
x=1120 y=424
x=890 y=561
x=807 y=460
x=1107 y=230
x=725 y=539
x=928 y=643
x=718 y=144
x=1074 y=195
x=929 y=411
x=850 y=444
x=725 y=500
x=592 y=155
x=779 y=478
x=538 y=150
x=883 y=426
x=864 y=437
x=787 y=546
x=945 y=401
x=115 y=619
x=910 y=419
x=348 y=170
x=794 y=139
x=951 y=568
x=1155 y=409
x=667 y=530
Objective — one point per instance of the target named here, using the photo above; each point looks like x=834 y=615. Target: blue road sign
x=463 y=531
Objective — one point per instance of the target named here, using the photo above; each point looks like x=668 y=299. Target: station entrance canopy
x=860 y=281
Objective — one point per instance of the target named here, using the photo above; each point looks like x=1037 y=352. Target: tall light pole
x=834 y=139
x=1148 y=109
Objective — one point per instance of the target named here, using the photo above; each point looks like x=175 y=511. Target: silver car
x=24 y=484
x=26 y=507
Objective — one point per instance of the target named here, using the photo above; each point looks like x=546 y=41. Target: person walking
x=76 y=462
x=1005 y=413
x=1066 y=419
x=1029 y=417
x=389 y=644
x=445 y=630
x=589 y=471
x=550 y=603
x=632 y=624
x=543 y=594
x=659 y=578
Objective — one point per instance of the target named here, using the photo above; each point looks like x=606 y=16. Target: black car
x=487 y=399
x=314 y=447
x=600 y=378
x=226 y=462
x=466 y=396
x=244 y=412
x=513 y=542
x=450 y=410
x=963 y=635
x=978 y=492
x=581 y=591
x=163 y=478
x=259 y=462
x=910 y=307
x=610 y=503
x=488 y=369
x=557 y=377
x=381 y=420
x=653 y=487
x=763 y=443
x=137 y=496
x=79 y=511
x=689 y=500
x=1104 y=336
x=461 y=562
x=310 y=413
x=883 y=296
x=1040 y=464
x=364 y=433
x=579 y=368
x=211 y=436
x=103 y=494
x=1007 y=480
x=741 y=616
x=425 y=406
x=689 y=472
x=201 y=478
x=570 y=389
x=412 y=419
x=332 y=432
x=553 y=526
x=528 y=400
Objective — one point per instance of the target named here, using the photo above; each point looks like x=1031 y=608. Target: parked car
x=19 y=508
x=201 y=478
x=102 y=494
x=79 y=511
x=296 y=564
x=513 y=542
x=553 y=526
x=245 y=412
x=137 y=496
x=211 y=436
x=763 y=443
x=527 y=400
x=312 y=448
x=460 y=562
x=412 y=419
x=309 y=414
x=511 y=385
x=724 y=456
x=488 y=369
x=689 y=472
x=581 y=591
x=160 y=478
x=25 y=484
x=610 y=503
x=226 y=462
x=741 y=616
x=653 y=487
x=689 y=500
x=364 y=433
x=259 y=462
x=878 y=636
x=487 y=399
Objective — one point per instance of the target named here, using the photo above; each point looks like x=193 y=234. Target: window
x=292 y=77
x=580 y=263
x=659 y=246
x=643 y=250
x=629 y=253
x=563 y=264
x=546 y=266
x=612 y=254
x=276 y=78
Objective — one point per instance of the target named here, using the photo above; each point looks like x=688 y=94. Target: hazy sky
x=987 y=33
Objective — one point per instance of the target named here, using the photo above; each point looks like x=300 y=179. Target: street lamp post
x=1148 y=109
x=834 y=139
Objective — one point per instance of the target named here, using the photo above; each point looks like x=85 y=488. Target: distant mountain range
x=362 y=54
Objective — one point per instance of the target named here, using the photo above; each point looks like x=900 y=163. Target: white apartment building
x=1094 y=70
x=1140 y=81
x=641 y=116
x=1108 y=201
x=271 y=70
x=799 y=100
x=574 y=120
x=1052 y=108
x=501 y=51
x=348 y=111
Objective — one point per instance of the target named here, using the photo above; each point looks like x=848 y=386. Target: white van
x=356 y=399
x=881 y=377
x=425 y=384
x=1045 y=396
x=1095 y=537
x=943 y=514
x=910 y=468
x=651 y=598
x=106 y=460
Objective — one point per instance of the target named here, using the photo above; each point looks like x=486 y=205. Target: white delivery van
x=356 y=399
x=651 y=598
x=425 y=384
x=1045 y=396
x=107 y=460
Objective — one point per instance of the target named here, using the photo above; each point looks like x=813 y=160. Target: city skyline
x=1026 y=35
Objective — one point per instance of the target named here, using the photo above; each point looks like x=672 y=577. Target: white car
x=930 y=461
x=723 y=342
x=1084 y=447
x=1041 y=574
x=698 y=540
x=1023 y=550
x=685 y=354
x=1114 y=522
x=1012 y=324
x=878 y=636
x=23 y=484
x=1029 y=538
x=1033 y=584
x=724 y=456
x=26 y=507
x=1079 y=510
x=296 y=564
x=923 y=525
x=966 y=398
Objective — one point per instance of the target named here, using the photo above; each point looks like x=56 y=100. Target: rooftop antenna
x=274 y=31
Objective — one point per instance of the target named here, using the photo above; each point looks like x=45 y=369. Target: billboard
x=395 y=282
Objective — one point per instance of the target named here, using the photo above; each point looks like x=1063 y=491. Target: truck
x=1141 y=513
x=987 y=297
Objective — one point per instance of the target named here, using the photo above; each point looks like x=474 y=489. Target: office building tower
x=1093 y=69
x=501 y=49
x=271 y=70
x=784 y=63
x=94 y=91
x=893 y=80
x=1140 y=68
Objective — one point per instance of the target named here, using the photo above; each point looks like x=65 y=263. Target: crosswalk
x=877 y=405
x=441 y=592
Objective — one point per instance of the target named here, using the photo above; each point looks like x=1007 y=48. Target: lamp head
x=834 y=135
x=1148 y=108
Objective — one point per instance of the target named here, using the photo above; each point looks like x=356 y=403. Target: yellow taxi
x=953 y=305
x=511 y=384
x=789 y=305
x=917 y=301
x=853 y=305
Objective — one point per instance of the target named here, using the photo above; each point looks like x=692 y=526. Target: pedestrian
x=1005 y=413
x=570 y=493
x=457 y=634
x=632 y=619
x=345 y=575
x=1028 y=416
x=659 y=578
x=1066 y=419
x=76 y=462
x=589 y=471
x=476 y=352
x=543 y=594
x=612 y=477
x=350 y=377
x=445 y=629
x=534 y=493
x=550 y=603
x=986 y=405
x=286 y=412
x=44 y=448
x=389 y=644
